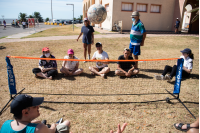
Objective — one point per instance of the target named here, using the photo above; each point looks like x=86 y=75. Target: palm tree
x=22 y=16
x=196 y=17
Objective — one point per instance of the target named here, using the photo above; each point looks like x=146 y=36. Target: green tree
x=47 y=19
x=38 y=16
x=22 y=16
x=30 y=16
x=80 y=17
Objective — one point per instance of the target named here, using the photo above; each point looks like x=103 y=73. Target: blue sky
x=12 y=8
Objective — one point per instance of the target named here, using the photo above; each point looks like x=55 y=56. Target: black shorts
x=52 y=73
x=100 y=69
x=125 y=69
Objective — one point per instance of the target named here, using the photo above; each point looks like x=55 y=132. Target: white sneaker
x=84 y=61
x=102 y=75
x=159 y=77
x=168 y=78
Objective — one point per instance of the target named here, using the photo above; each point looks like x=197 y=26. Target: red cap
x=70 y=51
x=45 y=49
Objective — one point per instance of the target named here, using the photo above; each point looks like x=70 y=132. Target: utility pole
x=51 y=12
x=73 y=14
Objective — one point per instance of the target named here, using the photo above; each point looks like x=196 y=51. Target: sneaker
x=102 y=75
x=88 y=57
x=168 y=78
x=44 y=122
x=159 y=77
x=84 y=61
x=59 y=121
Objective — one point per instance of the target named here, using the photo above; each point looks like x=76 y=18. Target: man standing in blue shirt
x=177 y=25
x=137 y=36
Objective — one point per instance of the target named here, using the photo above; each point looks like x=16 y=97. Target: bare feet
x=103 y=75
x=50 y=77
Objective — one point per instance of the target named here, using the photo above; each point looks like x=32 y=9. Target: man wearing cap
x=177 y=25
x=88 y=37
x=25 y=109
x=47 y=68
x=126 y=68
x=101 y=67
x=137 y=36
x=70 y=68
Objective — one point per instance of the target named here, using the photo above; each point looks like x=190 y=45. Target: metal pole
x=73 y=17
x=51 y=12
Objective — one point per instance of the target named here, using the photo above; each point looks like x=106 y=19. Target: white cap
x=176 y=18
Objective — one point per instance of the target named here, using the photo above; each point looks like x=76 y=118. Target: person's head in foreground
x=70 y=53
x=99 y=46
x=46 y=52
x=127 y=53
x=135 y=16
x=26 y=107
x=187 y=53
x=176 y=18
x=86 y=22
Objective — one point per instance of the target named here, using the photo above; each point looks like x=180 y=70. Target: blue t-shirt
x=6 y=128
x=177 y=23
x=87 y=34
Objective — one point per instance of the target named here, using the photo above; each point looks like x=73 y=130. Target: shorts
x=87 y=43
x=125 y=69
x=135 y=49
x=61 y=128
x=52 y=73
x=100 y=69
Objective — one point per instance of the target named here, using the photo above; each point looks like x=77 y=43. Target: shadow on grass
x=2 y=47
x=152 y=70
x=60 y=76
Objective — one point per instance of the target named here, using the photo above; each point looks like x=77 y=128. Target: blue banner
x=179 y=69
x=11 y=77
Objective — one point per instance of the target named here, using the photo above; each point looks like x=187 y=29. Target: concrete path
x=5 y=40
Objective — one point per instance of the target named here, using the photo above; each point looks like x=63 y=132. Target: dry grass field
x=96 y=105
x=65 y=30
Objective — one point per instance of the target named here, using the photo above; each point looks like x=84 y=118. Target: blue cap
x=24 y=101
x=187 y=50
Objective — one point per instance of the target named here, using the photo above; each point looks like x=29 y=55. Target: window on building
x=107 y=7
x=155 y=8
x=142 y=7
x=127 y=6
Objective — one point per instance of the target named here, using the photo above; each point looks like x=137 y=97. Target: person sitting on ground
x=70 y=68
x=187 y=67
x=47 y=68
x=126 y=68
x=101 y=67
x=189 y=128
x=25 y=109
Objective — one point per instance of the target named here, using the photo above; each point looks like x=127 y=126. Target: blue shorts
x=87 y=43
x=135 y=49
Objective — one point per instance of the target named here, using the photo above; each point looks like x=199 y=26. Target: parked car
x=56 y=21
x=74 y=21
x=79 y=21
x=64 y=21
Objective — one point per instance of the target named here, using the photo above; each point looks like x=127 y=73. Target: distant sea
x=8 y=20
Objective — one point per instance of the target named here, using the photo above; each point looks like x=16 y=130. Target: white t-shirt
x=188 y=62
x=23 y=23
x=70 y=64
x=101 y=56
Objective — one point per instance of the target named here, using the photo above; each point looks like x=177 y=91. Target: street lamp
x=73 y=14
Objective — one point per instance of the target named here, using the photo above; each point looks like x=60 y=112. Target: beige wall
x=152 y=21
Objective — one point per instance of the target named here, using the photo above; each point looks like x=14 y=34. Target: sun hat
x=85 y=19
x=45 y=49
x=70 y=51
x=24 y=101
x=98 y=44
x=187 y=50
x=135 y=13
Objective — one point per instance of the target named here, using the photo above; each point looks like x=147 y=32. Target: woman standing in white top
x=70 y=68
x=187 y=67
